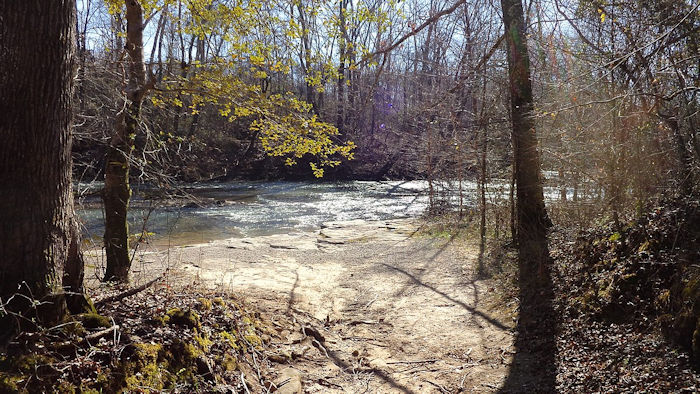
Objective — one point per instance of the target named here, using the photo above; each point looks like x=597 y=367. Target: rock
x=280 y=358
x=289 y=382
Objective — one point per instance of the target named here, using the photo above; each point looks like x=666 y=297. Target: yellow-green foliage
x=64 y=387
x=663 y=298
x=250 y=335
x=286 y=126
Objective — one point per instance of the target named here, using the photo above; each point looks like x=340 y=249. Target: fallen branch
x=128 y=293
x=91 y=337
x=100 y=334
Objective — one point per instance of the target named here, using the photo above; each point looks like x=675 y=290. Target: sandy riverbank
x=399 y=312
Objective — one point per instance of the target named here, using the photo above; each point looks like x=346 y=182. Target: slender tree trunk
x=533 y=368
x=340 y=117
x=532 y=220
x=39 y=241
x=305 y=54
x=117 y=191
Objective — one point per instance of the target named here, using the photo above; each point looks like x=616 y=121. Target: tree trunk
x=533 y=368
x=340 y=116
x=117 y=191
x=532 y=220
x=39 y=241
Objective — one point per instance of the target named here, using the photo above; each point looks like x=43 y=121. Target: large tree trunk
x=117 y=191
x=39 y=245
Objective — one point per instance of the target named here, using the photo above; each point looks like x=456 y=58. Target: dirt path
x=388 y=311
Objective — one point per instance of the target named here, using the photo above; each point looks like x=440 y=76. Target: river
x=245 y=209
x=248 y=209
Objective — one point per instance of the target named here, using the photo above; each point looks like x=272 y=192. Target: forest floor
x=368 y=307
x=362 y=306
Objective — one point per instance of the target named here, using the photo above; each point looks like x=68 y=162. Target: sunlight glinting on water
x=263 y=208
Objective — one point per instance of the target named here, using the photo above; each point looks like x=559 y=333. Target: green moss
x=643 y=247
x=28 y=363
x=230 y=339
x=89 y=306
x=9 y=383
x=181 y=353
x=691 y=288
x=663 y=298
x=229 y=363
x=148 y=351
x=589 y=301
x=254 y=340
x=64 y=387
x=146 y=368
x=219 y=301
x=74 y=328
x=203 y=341
x=160 y=320
x=150 y=376
x=251 y=337
x=181 y=317
x=203 y=304
x=696 y=339
x=94 y=320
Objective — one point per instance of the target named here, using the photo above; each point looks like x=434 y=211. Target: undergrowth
x=159 y=342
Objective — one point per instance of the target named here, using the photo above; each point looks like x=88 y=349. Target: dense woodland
x=598 y=100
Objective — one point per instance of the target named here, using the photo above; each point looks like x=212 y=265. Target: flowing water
x=245 y=208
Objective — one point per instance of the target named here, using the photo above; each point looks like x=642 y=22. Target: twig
x=245 y=386
x=128 y=293
x=414 y=362
x=442 y=389
x=371 y=302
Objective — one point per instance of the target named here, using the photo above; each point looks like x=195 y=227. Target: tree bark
x=39 y=241
x=117 y=191
x=532 y=220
